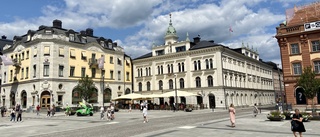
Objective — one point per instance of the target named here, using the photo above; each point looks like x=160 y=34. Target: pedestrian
x=112 y=112
x=255 y=110
x=102 y=113
x=48 y=111
x=38 y=110
x=141 y=106
x=2 y=111
x=130 y=108
x=145 y=113
x=53 y=110
x=297 y=124
x=13 y=115
x=19 y=117
x=67 y=113
x=174 y=106
x=232 y=112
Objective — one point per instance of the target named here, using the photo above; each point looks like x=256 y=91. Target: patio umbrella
x=179 y=94
x=129 y=96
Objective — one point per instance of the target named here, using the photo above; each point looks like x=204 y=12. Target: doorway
x=45 y=99
x=300 y=97
x=24 y=99
x=212 y=101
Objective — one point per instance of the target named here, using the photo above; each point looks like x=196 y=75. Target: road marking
x=187 y=127
x=112 y=123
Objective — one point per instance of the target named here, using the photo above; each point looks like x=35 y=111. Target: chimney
x=89 y=31
x=196 y=39
x=57 y=23
x=212 y=41
x=4 y=37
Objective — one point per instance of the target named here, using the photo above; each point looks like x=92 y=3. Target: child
x=13 y=115
x=144 y=111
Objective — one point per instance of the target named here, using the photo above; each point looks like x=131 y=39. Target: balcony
x=93 y=62
x=16 y=62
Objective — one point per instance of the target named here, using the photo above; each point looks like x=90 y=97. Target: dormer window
x=71 y=37
x=48 y=31
x=83 y=40
x=102 y=43
x=110 y=45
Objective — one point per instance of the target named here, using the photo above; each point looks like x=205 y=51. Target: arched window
x=161 y=69
x=160 y=85
x=198 y=82
x=138 y=72
x=179 y=67
x=199 y=64
x=181 y=81
x=207 y=64
x=148 y=86
x=108 y=94
x=195 y=65
x=168 y=68
x=170 y=84
x=75 y=97
x=140 y=86
x=210 y=81
x=171 y=68
x=141 y=74
x=158 y=70
x=211 y=63
x=147 y=72
x=94 y=97
x=182 y=67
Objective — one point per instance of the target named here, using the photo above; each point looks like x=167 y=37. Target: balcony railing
x=93 y=62
x=16 y=62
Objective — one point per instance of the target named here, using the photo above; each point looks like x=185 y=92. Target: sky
x=136 y=24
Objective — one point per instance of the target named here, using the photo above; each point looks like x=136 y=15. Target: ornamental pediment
x=95 y=49
x=19 y=48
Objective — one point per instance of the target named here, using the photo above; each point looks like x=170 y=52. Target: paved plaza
x=199 y=123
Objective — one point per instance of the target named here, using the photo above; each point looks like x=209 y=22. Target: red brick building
x=299 y=42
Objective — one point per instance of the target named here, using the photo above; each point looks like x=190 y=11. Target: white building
x=218 y=74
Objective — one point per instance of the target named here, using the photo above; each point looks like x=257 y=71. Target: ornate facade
x=217 y=74
x=49 y=62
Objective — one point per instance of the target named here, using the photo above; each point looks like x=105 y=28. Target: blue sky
x=136 y=24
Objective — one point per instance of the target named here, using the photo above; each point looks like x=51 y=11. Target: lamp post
x=175 y=88
x=103 y=89
x=280 y=86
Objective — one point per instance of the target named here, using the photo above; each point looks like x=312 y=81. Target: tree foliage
x=85 y=88
x=309 y=82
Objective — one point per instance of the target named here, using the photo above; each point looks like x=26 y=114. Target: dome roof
x=171 y=30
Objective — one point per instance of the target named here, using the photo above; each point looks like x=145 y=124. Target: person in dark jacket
x=296 y=124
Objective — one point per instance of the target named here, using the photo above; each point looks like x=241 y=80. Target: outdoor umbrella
x=179 y=94
x=129 y=96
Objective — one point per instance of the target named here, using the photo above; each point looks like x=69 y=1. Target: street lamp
x=103 y=89
x=175 y=88
x=280 y=86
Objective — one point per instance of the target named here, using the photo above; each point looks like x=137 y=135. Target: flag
x=230 y=29
x=101 y=62
x=6 y=61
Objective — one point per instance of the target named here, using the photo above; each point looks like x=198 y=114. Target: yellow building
x=49 y=62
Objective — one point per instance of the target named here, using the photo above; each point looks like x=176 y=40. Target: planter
x=275 y=118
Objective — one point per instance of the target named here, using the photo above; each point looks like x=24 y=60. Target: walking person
x=38 y=110
x=232 y=113
x=297 y=124
x=48 y=111
x=145 y=113
x=130 y=108
x=112 y=112
x=67 y=113
x=174 y=106
x=19 y=117
x=102 y=113
x=13 y=115
x=255 y=110
x=53 y=110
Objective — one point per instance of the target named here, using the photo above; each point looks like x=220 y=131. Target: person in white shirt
x=102 y=113
x=145 y=113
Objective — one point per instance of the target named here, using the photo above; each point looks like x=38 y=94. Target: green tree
x=85 y=88
x=309 y=83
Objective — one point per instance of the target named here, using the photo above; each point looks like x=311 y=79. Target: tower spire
x=170 y=23
x=187 y=39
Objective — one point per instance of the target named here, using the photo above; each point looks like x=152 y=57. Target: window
x=210 y=81
x=171 y=68
x=61 y=52
x=139 y=73
x=83 y=72
x=71 y=37
x=207 y=64
x=158 y=70
x=22 y=73
x=22 y=56
x=111 y=60
x=27 y=54
x=111 y=74
x=181 y=81
x=93 y=72
x=170 y=84
x=35 y=51
x=315 y=46
x=182 y=67
x=119 y=61
x=198 y=82
x=27 y=72
x=140 y=86
x=317 y=67
x=297 y=68
x=195 y=65
x=45 y=70
x=34 y=70
x=5 y=77
x=147 y=72
x=128 y=76
x=295 y=48
x=119 y=75
x=160 y=85
x=161 y=69
x=83 y=40
x=11 y=74
x=72 y=68
x=46 y=50
x=168 y=68
x=181 y=48
x=83 y=55
x=148 y=86
x=199 y=65
x=179 y=67
x=211 y=63
x=72 y=53
x=61 y=70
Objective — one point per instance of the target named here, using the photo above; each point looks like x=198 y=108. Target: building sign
x=312 y=26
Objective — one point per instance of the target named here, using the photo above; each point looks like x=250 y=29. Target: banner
x=312 y=26
x=6 y=61
x=101 y=62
